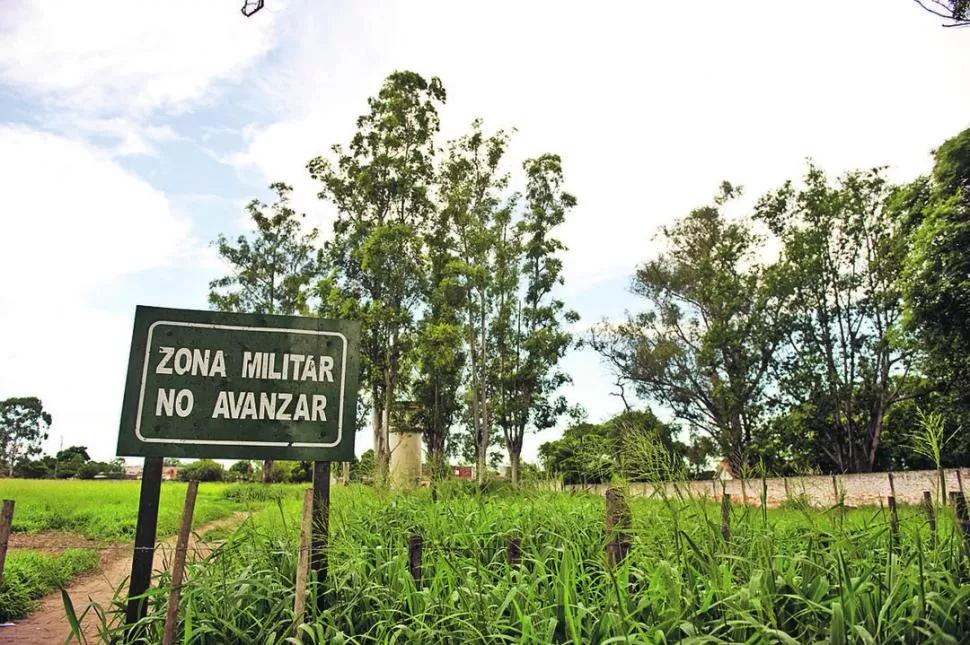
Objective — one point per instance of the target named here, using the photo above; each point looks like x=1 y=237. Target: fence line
x=618 y=524
x=853 y=489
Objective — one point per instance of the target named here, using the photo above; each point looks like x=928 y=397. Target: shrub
x=88 y=470
x=203 y=470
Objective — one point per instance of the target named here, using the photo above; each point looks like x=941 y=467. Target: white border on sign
x=221 y=442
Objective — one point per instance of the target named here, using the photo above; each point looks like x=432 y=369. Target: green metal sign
x=240 y=386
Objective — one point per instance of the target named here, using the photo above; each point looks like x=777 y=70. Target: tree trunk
x=267 y=471
x=514 y=459
x=382 y=460
x=482 y=463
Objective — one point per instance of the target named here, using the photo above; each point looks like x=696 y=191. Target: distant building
x=723 y=471
x=463 y=472
x=169 y=473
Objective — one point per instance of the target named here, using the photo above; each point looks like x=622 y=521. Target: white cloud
x=129 y=57
x=72 y=223
x=650 y=107
x=129 y=138
x=74 y=220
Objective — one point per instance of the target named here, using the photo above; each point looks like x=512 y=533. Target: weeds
x=787 y=576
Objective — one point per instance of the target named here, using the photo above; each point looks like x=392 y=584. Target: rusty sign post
x=235 y=386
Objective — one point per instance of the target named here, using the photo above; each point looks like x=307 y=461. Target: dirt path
x=48 y=622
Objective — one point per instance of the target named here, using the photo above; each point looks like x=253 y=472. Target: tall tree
x=472 y=195
x=23 y=428
x=382 y=186
x=272 y=270
x=937 y=272
x=439 y=348
x=844 y=352
x=706 y=342
x=532 y=338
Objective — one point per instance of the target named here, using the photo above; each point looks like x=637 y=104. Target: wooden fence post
x=726 y=516
x=181 y=546
x=893 y=520
x=320 y=538
x=930 y=515
x=303 y=563
x=6 y=520
x=513 y=551
x=619 y=521
x=892 y=484
x=415 y=550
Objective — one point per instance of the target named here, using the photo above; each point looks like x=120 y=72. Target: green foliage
x=788 y=576
x=937 y=266
x=98 y=510
x=74 y=451
x=842 y=245
x=271 y=271
x=241 y=470
x=381 y=185
x=531 y=337
x=70 y=468
x=23 y=427
x=362 y=470
x=29 y=575
x=708 y=337
x=34 y=468
x=632 y=446
x=203 y=470
x=248 y=493
x=88 y=470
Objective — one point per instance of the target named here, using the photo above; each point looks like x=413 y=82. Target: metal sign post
x=236 y=386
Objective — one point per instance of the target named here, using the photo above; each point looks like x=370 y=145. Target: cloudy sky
x=132 y=133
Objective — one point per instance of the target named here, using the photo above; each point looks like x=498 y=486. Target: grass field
x=788 y=576
x=105 y=511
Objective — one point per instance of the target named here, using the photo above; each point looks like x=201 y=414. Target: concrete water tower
x=405 y=443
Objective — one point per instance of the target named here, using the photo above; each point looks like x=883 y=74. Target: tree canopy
x=23 y=428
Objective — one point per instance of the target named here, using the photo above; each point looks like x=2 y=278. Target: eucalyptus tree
x=272 y=271
x=472 y=192
x=530 y=330
x=382 y=187
x=439 y=349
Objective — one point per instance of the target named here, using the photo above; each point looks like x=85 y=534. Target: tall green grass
x=29 y=575
x=786 y=576
x=100 y=510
